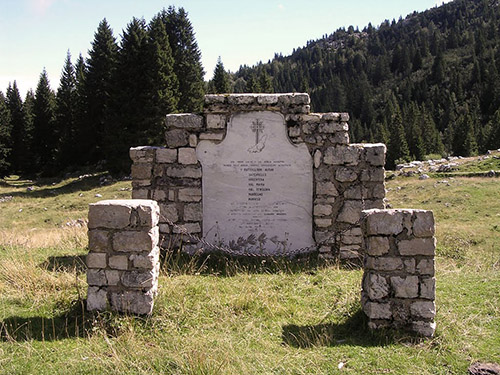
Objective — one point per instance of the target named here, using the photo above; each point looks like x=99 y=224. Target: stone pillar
x=123 y=259
x=399 y=288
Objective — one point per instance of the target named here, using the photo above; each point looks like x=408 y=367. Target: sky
x=36 y=34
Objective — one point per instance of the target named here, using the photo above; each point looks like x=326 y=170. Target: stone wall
x=123 y=259
x=399 y=288
x=348 y=178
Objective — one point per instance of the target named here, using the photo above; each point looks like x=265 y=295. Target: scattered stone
x=479 y=368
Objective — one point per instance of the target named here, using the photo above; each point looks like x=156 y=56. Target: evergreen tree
x=45 y=135
x=66 y=115
x=17 y=135
x=187 y=57
x=265 y=82
x=397 y=149
x=99 y=87
x=220 y=80
x=28 y=117
x=85 y=135
x=5 y=129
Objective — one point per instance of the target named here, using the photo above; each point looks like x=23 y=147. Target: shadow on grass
x=65 y=263
x=352 y=332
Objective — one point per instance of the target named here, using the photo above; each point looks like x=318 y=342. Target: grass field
x=279 y=319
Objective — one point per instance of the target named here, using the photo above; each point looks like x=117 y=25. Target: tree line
x=425 y=84
x=112 y=100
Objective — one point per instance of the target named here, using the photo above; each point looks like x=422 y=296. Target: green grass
x=227 y=318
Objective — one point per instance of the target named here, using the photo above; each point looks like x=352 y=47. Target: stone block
x=109 y=214
x=142 y=154
x=417 y=246
x=241 y=99
x=409 y=265
x=190 y=195
x=322 y=210
x=344 y=117
x=144 y=279
x=322 y=223
x=135 y=241
x=215 y=121
x=211 y=136
x=193 y=212
x=317 y=158
x=112 y=277
x=99 y=240
x=341 y=138
x=96 y=299
x=148 y=212
x=166 y=155
x=187 y=121
x=184 y=172
x=140 y=194
x=330 y=116
x=159 y=195
x=375 y=154
x=326 y=188
x=141 y=171
x=193 y=140
x=146 y=261
x=135 y=302
x=294 y=131
x=426 y=329
x=96 y=277
x=176 y=138
x=375 y=286
x=214 y=99
x=405 y=287
x=350 y=212
x=377 y=245
x=346 y=175
x=423 y=224
x=428 y=288
x=423 y=309
x=376 y=310
x=169 y=212
x=373 y=175
x=188 y=228
x=96 y=260
x=331 y=127
x=343 y=155
x=118 y=262
x=187 y=155
x=383 y=263
x=383 y=222
x=426 y=267
x=267 y=99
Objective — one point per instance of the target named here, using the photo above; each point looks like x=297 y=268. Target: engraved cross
x=256 y=127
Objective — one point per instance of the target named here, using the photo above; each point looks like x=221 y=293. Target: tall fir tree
x=84 y=134
x=99 y=87
x=220 y=81
x=29 y=118
x=187 y=57
x=5 y=129
x=397 y=148
x=45 y=134
x=17 y=136
x=65 y=115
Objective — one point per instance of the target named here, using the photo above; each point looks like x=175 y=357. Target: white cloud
x=40 y=6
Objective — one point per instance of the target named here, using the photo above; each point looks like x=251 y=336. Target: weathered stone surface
x=417 y=246
x=148 y=212
x=294 y=131
x=96 y=277
x=383 y=222
x=405 y=287
x=267 y=99
x=188 y=228
x=375 y=286
x=384 y=263
x=377 y=245
x=378 y=310
x=140 y=194
x=142 y=171
x=322 y=210
x=166 y=155
x=326 y=188
x=109 y=214
x=96 y=260
x=330 y=116
x=146 y=260
x=112 y=277
x=184 y=172
x=99 y=240
x=96 y=299
x=426 y=267
x=187 y=121
x=375 y=154
x=317 y=158
x=142 y=154
x=190 y=194
x=214 y=99
x=373 y=175
x=428 y=288
x=193 y=140
x=193 y=212
x=423 y=225
x=426 y=329
x=211 y=136
x=159 y=195
x=241 y=99
x=215 y=121
x=423 y=309
x=346 y=175
x=409 y=265
x=139 y=279
x=135 y=241
x=176 y=138
x=169 y=212
x=135 y=302
x=187 y=155
x=343 y=155
x=323 y=223
x=351 y=212
x=331 y=127
x=118 y=262
x=340 y=138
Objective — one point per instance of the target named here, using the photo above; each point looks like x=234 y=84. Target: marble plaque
x=257 y=186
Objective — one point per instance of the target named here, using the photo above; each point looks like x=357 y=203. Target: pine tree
x=15 y=104
x=45 y=135
x=98 y=85
x=85 y=135
x=187 y=57
x=66 y=115
x=5 y=130
x=28 y=117
x=220 y=80
x=397 y=149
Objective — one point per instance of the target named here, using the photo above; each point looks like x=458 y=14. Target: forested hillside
x=426 y=84
x=116 y=98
